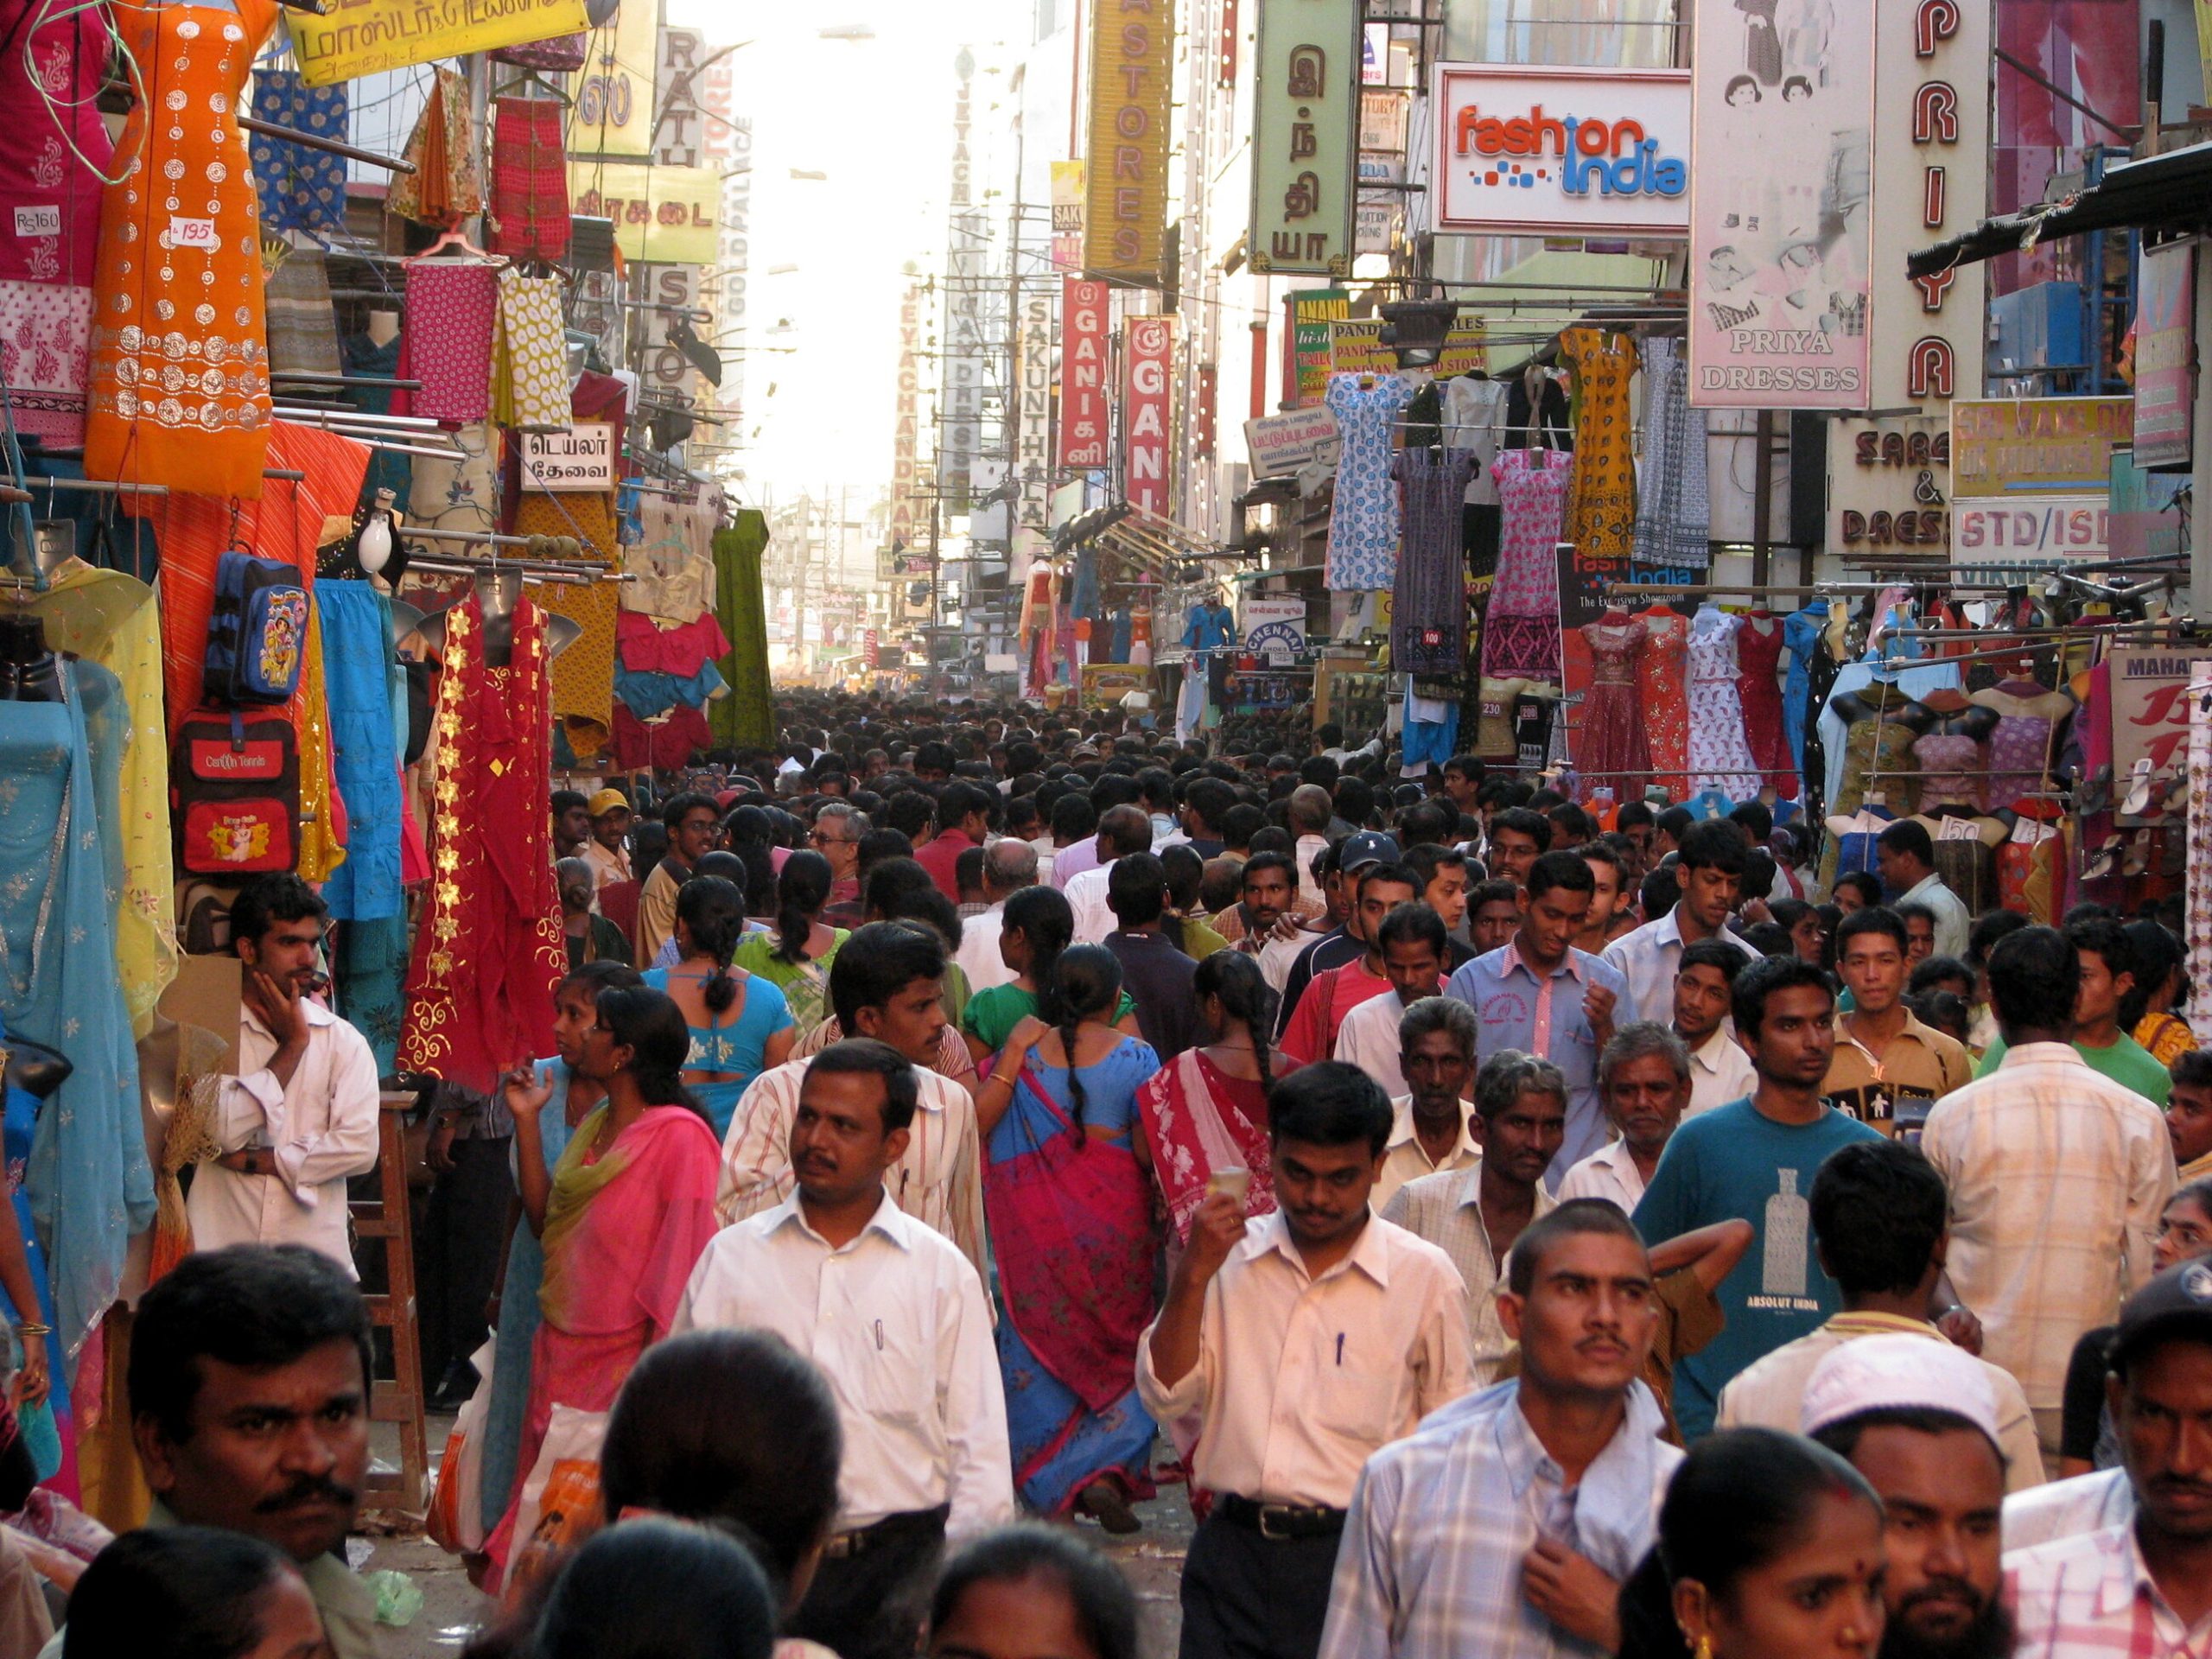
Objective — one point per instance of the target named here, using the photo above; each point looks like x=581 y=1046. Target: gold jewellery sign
x=360 y=37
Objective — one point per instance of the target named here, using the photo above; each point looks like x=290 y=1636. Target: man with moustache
x=249 y=1385
x=1643 y=1077
x=1508 y=1523
x=1919 y=1420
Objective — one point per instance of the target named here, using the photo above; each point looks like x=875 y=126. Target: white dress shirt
x=1368 y=1038
x=897 y=1321
x=1086 y=893
x=1278 y=957
x=1648 y=959
x=1609 y=1172
x=321 y=1126
x=1405 y=1160
x=939 y=1182
x=1719 y=1072
x=978 y=955
x=1300 y=1380
x=1446 y=1210
x=1070 y=861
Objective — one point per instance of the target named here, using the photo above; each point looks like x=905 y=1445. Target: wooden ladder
x=401 y=1497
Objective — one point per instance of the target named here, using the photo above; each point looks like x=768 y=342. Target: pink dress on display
x=1613 y=752
x=1520 y=628
x=1759 y=655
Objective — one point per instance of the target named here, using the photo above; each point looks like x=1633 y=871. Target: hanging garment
x=300 y=188
x=357 y=655
x=530 y=375
x=746 y=718
x=90 y=1183
x=1601 y=499
x=672 y=570
x=561 y=55
x=1520 y=625
x=165 y=302
x=1876 y=774
x=2027 y=869
x=1428 y=606
x=529 y=179
x=53 y=147
x=111 y=618
x=1950 y=765
x=301 y=323
x=2021 y=746
x=583 y=687
x=1663 y=692
x=45 y=331
x=1363 y=551
x=1673 y=512
x=461 y=493
x=1535 y=420
x=49 y=1426
x=1614 y=750
x=1720 y=757
x=668 y=744
x=487 y=948
x=1758 y=658
x=447 y=186
x=453 y=308
x=1474 y=411
x=1802 y=638
x=363 y=356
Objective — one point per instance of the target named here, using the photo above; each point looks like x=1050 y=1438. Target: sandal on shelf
x=2093 y=793
x=2137 y=860
x=2137 y=801
x=2103 y=862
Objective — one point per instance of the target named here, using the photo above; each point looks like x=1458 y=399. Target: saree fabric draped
x=90 y=1185
x=488 y=950
x=1198 y=1119
x=1072 y=1215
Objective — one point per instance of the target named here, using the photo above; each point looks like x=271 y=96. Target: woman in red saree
x=622 y=1219
x=1070 y=1210
x=1208 y=1111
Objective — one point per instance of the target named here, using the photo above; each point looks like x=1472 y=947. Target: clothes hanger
x=532 y=77
x=454 y=236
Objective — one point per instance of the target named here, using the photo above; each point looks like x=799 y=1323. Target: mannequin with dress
x=1614 y=753
x=1758 y=661
x=1719 y=753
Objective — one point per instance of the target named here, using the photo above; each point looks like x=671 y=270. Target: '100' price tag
x=192 y=233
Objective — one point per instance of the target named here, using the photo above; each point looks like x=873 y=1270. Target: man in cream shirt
x=1432 y=1126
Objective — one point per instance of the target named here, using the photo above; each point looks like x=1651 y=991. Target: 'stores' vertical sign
x=1304 y=137
x=1085 y=406
x=1150 y=350
x=1125 y=170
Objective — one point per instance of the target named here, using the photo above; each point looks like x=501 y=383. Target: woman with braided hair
x=1070 y=1207
x=1036 y=926
x=741 y=1024
x=796 y=957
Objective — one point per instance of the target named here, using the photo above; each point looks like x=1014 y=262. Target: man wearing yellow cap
x=609 y=851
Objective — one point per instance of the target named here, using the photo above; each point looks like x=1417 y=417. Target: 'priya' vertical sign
x=1150 y=351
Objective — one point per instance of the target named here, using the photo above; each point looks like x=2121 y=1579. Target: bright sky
x=876 y=116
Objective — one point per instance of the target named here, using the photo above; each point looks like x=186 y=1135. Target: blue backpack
x=257 y=637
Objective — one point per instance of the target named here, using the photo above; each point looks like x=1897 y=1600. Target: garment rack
x=312 y=141
x=497 y=538
x=115 y=487
x=532 y=572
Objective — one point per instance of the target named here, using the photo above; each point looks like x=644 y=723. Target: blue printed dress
x=1364 y=523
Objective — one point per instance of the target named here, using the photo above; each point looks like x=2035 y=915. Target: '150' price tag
x=192 y=233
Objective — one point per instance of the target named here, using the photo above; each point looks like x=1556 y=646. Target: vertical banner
x=1781 y=211
x=1125 y=167
x=1306 y=343
x=2165 y=319
x=1084 y=408
x=1067 y=215
x=615 y=93
x=963 y=353
x=1150 y=351
x=906 y=447
x=679 y=125
x=1304 y=137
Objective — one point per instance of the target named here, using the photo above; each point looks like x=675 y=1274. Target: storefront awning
x=2172 y=192
x=1140 y=541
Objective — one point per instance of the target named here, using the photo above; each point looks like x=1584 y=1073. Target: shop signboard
x=1889 y=484
x=615 y=88
x=1149 y=347
x=2036 y=446
x=1312 y=312
x=1780 y=250
x=2032 y=533
x=1279 y=444
x=1067 y=215
x=1085 y=410
x=1275 y=628
x=1125 y=165
x=679 y=126
x=664 y=214
x=2150 y=709
x=352 y=38
x=963 y=359
x=580 y=459
x=1305 y=134
x=906 y=448
x=2148 y=510
x=1528 y=151
x=2165 y=317
x=1356 y=347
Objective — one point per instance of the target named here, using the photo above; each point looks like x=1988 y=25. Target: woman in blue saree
x=1069 y=1199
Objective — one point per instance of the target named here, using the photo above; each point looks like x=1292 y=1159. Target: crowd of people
x=1518 y=1235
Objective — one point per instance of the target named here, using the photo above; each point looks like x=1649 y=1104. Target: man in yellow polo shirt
x=1889 y=1069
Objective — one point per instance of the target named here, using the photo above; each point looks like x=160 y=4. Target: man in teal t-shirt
x=1753 y=1160
x=2107 y=976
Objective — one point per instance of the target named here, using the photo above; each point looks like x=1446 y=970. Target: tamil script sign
x=580 y=459
x=361 y=37
x=663 y=214
x=1356 y=347
x=1281 y=444
x=1085 y=411
x=1150 y=350
x=1305 y=128
x=1562 y=152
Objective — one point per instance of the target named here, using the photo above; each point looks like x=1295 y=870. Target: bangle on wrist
x=32 y=1328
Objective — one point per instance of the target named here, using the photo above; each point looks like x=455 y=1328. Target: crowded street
x=1105 y=829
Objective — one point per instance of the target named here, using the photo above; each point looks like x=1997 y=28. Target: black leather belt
x=1279 y=1522
x=891 y=1529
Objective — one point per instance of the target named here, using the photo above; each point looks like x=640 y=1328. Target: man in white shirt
x=1711 y=871
x=300 y=1116
x=1123 y=830
x=1643 y=1078
x=1413 y=947
x=1719 y=1068
x=2056 y=1175
x=1432 y=1126
x=895 y=1318
x=2143 y=1585
x=1303 y=1342
x=1008 y=867
x=1905 y=853
x=885 y=983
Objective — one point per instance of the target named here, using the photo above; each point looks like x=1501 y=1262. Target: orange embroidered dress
x=179 y=387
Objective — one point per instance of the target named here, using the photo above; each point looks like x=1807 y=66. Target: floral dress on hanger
x=1520 y=628
x=1662 y=684
x=1601 y=500
x=1363 y=553
x=1721 y=757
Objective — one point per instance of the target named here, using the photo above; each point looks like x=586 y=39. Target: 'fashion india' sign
x=1562 y=152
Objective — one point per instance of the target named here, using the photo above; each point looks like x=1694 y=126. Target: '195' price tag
x=192 y=233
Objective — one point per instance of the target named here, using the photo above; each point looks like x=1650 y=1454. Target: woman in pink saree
x=623 y=1218
x=1207 y=1110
